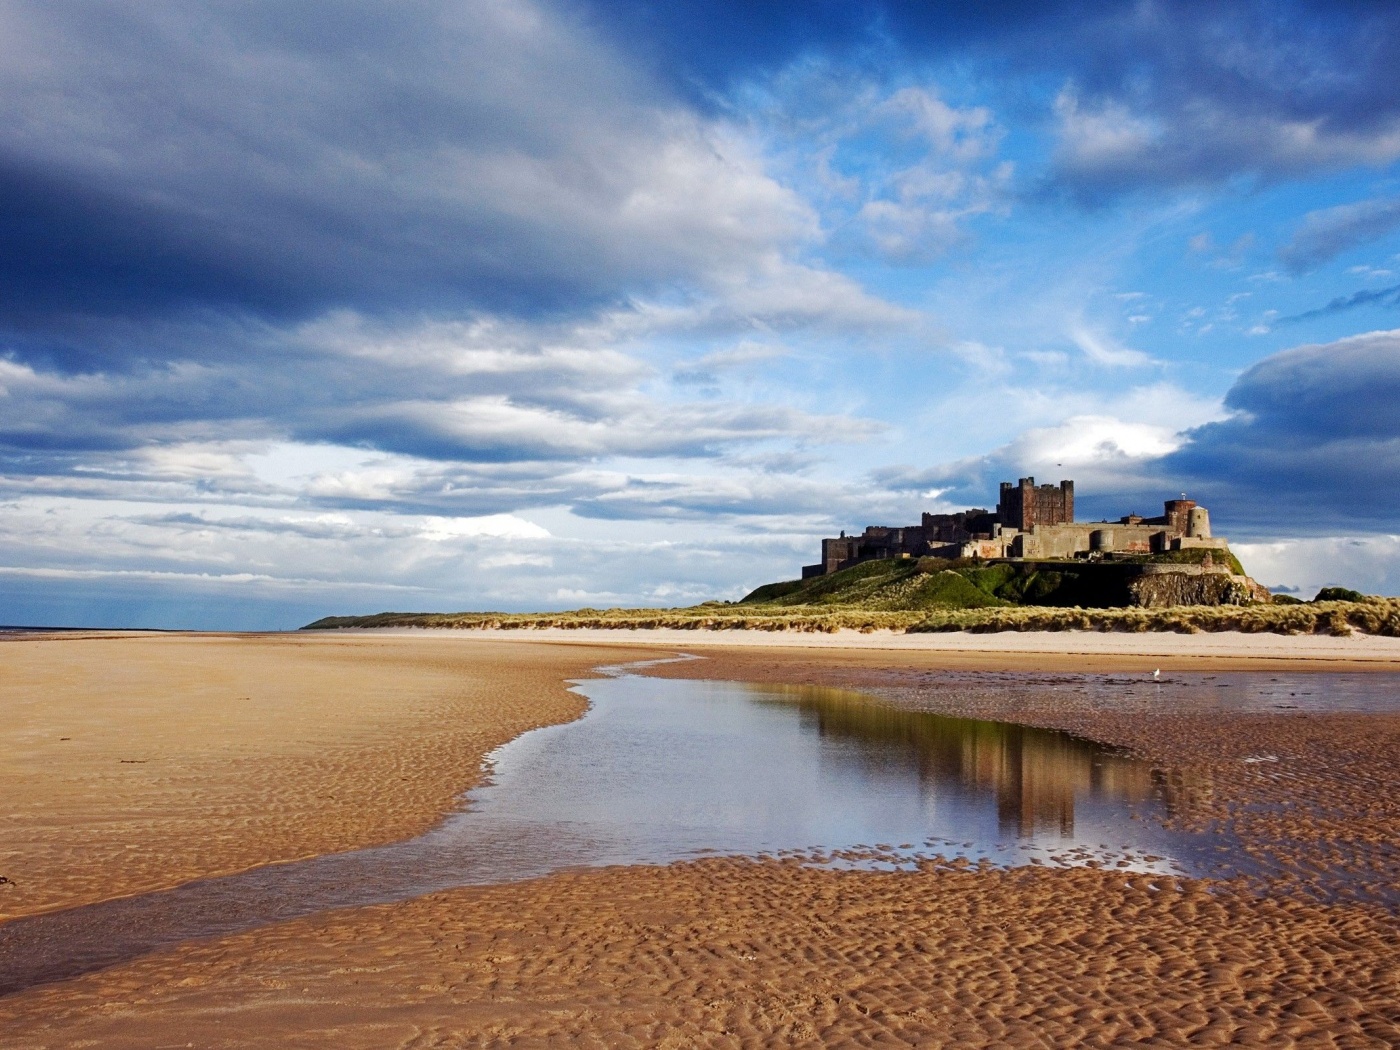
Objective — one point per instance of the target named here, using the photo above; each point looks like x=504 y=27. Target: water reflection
x=664 y=769
x=1032 y=775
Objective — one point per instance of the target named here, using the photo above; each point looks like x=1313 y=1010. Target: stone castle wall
x=1031 y=521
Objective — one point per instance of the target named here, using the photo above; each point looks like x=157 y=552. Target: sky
x=337 y=307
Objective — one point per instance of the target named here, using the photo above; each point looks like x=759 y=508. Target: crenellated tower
x=1025 y=504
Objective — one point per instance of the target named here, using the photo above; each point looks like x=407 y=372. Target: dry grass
x=1379 y=616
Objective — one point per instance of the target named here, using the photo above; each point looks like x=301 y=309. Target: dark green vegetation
x=1339 y=594
x=890 y=585
x=938 y=595
x=937 y=583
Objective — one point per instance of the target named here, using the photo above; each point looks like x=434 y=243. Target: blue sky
x=338 y=306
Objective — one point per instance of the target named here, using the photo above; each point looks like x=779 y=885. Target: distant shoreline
x=1370 y=616
x=1095 y=650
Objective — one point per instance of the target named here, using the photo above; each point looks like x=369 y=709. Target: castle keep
x=1031 y=522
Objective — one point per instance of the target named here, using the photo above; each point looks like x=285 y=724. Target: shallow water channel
x=661 y=770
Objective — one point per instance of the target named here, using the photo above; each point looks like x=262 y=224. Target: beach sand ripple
x=742 y=953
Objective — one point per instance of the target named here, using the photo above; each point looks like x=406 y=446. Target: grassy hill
x=887 y=585
x=937 y=583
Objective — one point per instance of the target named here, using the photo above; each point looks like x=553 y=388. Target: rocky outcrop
x=1150 y=585
x=1160 y=586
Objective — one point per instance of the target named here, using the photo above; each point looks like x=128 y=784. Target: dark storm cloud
x=1314 y=444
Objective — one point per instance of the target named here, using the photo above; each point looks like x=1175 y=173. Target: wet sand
x=1312 y=794
x=734 y=953
x=134 y=762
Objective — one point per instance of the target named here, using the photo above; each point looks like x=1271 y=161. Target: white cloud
x=1106 y=136
x=961 y=134
x=1368 y=563
x=1091 y=447
x=746 y=352
x=497 y=526
x=1102 y=350
x=1105 y=442
x=64 y=560
x=896 y=173
x=512 y=559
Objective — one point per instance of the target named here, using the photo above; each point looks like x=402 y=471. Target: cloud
x=71 y=561
x=1160 y=96
x=1312 y=443
x=496 y=157
x=1306 y=443
x=899 y=172
x=1101 y=454
x=1328 y=233
x=1109 y=151
x=1229 y=258
x=1147 y=96
x=1112 y=453
x=783 y=501
x=746 y=356
x=1341 y=304
x=1369 y=563
x=1101 y=350
x=498 y=526
x=485 y=390
x=1102 y=139
x=746 y=353
x=774 y=295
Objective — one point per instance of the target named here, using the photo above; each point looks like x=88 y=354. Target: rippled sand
x=719 y=952
x=724 y=953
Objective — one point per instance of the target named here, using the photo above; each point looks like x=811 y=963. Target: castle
x=1031 y=522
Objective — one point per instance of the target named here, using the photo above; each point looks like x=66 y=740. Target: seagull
x=1156 y=674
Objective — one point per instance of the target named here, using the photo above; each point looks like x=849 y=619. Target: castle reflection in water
x=1035 y=775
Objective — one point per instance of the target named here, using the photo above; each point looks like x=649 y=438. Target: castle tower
x=1178 y=516
x=1198 y=525
x=1025 y=504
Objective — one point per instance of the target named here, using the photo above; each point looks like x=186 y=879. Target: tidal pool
x=661 y=770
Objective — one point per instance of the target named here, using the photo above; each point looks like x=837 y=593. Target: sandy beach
x=1224 y=650
x=352 y=738
x=134 y=762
